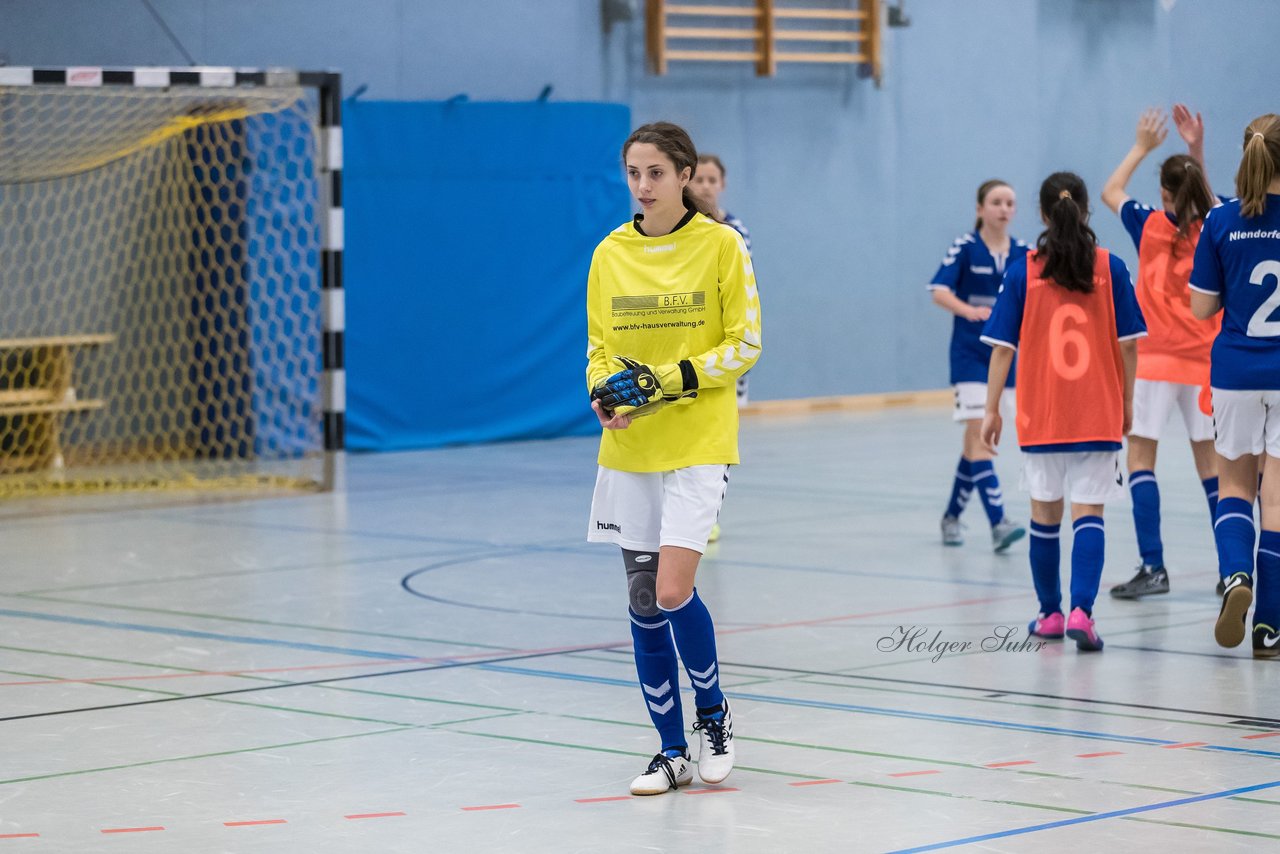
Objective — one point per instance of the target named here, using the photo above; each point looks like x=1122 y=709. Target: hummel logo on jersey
x=609 y=526
x=665 y=247
x=982 y=271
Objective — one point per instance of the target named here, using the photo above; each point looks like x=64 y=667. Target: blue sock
x=1233 y=532
x=1046 y=554
x=1088 y=549
x=659 y=672
x=960 y=489
x=1210 y=485
x=696 y=639
x=1266 y=590
x=988 y=487
x=1146 y=516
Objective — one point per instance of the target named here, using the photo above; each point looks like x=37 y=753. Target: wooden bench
x=37 y=391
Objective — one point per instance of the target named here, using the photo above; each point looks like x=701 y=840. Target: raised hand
x=1190 y=128
x=1152 y=129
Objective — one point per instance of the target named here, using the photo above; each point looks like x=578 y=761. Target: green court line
x=1003 y=702
x=597 y=749
x=776 y=742
x=81 y=771
x=1062 y=809
x=251 y=621
x=1204 y=826
x=268 y=706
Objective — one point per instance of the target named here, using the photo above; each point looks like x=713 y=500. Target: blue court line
x=191 y=633
x=895 y=713
x=1067 y=822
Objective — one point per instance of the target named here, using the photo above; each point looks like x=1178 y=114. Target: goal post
x=171 y=294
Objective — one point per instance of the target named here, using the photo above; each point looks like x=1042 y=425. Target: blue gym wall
x=852 y=192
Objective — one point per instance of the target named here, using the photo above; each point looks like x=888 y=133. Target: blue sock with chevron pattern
x=695 y=636
x=659 y=672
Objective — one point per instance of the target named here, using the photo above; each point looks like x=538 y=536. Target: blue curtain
x=469 y=232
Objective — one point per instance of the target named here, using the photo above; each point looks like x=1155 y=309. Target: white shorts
x=643 y=511
x=1154 y=401
x=1246 y=422
x=971 y=402
x=1094 y=476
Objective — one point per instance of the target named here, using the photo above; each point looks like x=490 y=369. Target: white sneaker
x=715 y=755
x=664 y=774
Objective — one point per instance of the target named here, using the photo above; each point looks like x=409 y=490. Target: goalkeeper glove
x=641 y=390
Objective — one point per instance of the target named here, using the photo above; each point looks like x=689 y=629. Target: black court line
x=279 y=685
x=1248 y=720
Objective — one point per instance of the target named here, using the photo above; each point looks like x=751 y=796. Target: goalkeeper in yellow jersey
x=673 y=319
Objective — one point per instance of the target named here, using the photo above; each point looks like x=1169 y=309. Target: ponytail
x=694 y=202
x=1260 y=164
x=1183 y=178
x=1068 y=245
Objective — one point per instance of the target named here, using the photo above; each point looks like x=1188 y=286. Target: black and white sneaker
x=715 y=756
x=1147 y=581
x=1221 y=588
x=1229 y=630
x=1266 y=641
x=665 y=773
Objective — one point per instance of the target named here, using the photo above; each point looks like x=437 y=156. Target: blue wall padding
x=469 y=232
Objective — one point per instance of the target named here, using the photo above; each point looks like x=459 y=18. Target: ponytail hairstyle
x=1183 y=178
x=1260 y=164
x=674 y=142
x=987 y=187
x=1068 y=245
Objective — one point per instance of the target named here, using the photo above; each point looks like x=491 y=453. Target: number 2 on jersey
x=1259 y=325
x=1064 y=342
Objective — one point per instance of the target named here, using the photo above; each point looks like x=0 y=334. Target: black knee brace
x=642 y=581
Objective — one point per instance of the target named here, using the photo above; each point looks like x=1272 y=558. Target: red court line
x=254 y=823
x=814 y=782
x=1263 y=735
x=711 y=791
x=18 y=835
x=1096 y=755
x=601 y=800
x=1008 y=764
x=492 y=807
x=1184 y=744
x=374 y=815
x=130 y=829
x=914 y=773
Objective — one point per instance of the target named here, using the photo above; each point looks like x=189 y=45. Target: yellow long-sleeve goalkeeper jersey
x=690 y=294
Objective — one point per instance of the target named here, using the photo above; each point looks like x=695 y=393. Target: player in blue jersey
x=1237 y=271
x=966 y=285
x=708 y=185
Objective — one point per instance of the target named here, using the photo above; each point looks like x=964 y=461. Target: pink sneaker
x=1047 y=626
x=1080 y=629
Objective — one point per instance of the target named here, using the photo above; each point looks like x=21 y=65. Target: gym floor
x=436 y=660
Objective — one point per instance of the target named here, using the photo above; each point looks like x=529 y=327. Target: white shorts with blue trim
x=643 y=511
x=1086 y=477
x=1246 y=422
x=971 y=402
x=1154 y=401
